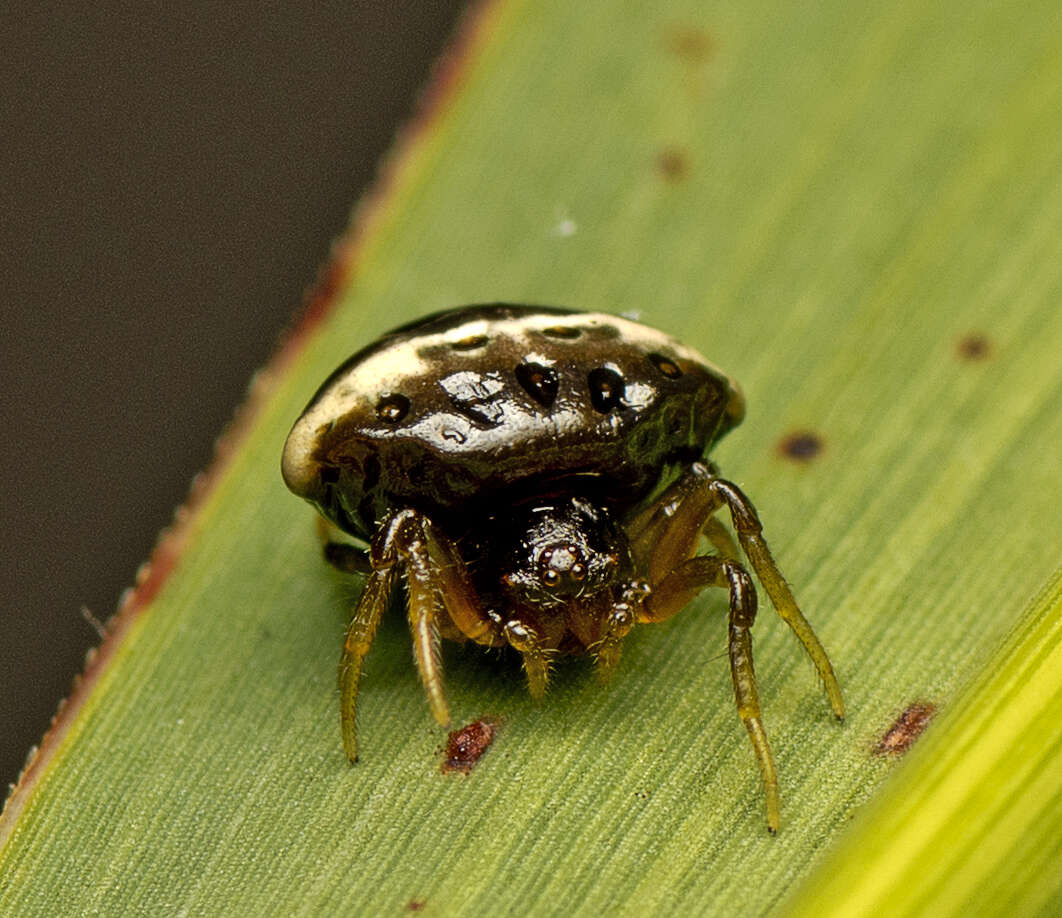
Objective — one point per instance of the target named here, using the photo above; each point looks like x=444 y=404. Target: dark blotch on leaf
x=801 y=446
x=415 y=905
x=974 y=346
x=905 y=729
x=465 y=747
x=690 y=43
x=672 y=164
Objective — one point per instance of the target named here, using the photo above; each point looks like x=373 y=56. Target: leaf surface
x=855 y=210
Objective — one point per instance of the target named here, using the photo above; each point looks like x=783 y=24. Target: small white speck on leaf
x=565 y=227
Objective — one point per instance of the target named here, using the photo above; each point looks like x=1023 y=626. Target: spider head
x=561 y=550
x=566 y=567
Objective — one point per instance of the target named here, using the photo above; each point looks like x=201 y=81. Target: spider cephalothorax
x=565 y=576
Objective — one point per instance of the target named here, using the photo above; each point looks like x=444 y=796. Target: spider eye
x=550 y=577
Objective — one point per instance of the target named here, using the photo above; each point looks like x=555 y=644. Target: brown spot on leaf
x=906 y=729
x=673 y=164
x=800 y=446
x=693 y=45
x=973 y=347
x=465 y=747
x=415 y=905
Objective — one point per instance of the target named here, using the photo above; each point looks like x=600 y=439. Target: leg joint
x=740 y=507
x=401 y=536
x=742 y=594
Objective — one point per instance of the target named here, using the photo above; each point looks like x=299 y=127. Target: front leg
x=409 y=541
x=356 y=644
x=666 y=533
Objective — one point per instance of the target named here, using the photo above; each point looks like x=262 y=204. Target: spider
x=537 y=477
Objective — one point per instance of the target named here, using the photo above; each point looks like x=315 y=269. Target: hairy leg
x=409 y=541
x=356 y=644
x=536 y=657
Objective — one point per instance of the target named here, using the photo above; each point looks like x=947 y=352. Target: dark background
x=171 y=179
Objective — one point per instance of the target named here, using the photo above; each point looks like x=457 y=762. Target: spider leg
x=750 y=535
x=534 y=654
x=350 y=559
x=621 y=618
x=424 y=626
x=452 y=583
x=347 y=558
x=673 y=593
x=356 y=644
x=666 y=532
x=409 y=541
x=721 y=539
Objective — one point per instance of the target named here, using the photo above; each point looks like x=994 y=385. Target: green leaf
x=971 y=825
x=855 y=210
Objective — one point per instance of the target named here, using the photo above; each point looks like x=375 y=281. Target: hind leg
x=672 y=594
x=667 y=532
